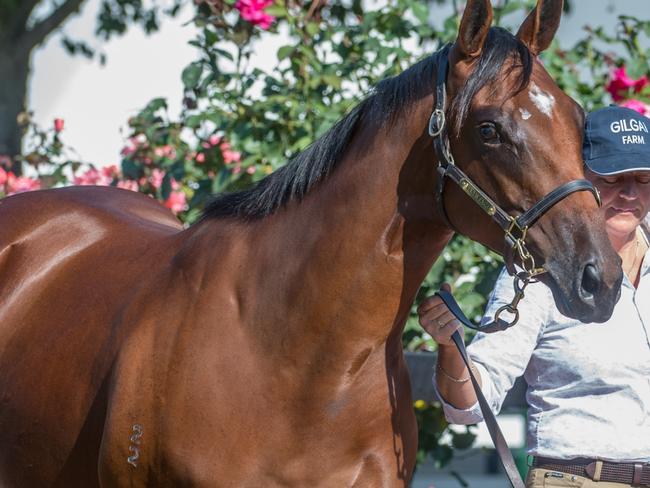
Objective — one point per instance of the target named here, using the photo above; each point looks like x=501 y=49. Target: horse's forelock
x=501 y=51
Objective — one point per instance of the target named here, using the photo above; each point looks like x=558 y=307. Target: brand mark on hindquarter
x=134 y=445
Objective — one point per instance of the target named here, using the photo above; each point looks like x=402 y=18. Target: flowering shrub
x=637 y=105
x=11 y=184
x=624 y=89
x=621 y=86
x=253 y=12
x=179 y=164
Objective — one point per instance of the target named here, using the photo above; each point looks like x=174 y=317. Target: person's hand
x=437 y=320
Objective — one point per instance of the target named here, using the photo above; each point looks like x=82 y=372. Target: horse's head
x=518 y=137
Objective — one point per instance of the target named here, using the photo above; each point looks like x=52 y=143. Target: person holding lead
x=588 y=391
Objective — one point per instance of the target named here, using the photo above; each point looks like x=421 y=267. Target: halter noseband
x=514 y=227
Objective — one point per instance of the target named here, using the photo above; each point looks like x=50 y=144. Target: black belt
x=635 y=474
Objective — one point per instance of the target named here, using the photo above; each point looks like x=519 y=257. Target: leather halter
x=514 y=227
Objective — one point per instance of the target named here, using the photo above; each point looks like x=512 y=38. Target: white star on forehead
x=543 y=101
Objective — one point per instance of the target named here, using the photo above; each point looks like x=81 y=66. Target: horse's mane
x=389 y=99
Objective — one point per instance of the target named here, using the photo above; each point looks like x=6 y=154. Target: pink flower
x=236 y=169
x=167 y=151
x=229 y=156
x=139 y=140
x=200 y=158
x=176 y=201
x=250 y=170
x=94 y=176
x=127 y=150
x=58 y=125
x=19 y=184
x=253 y=12
x=640 y=107
x=111 y=171
x=214 y=139
x=135 y=142
x=621 y=84
x=90 y=177
x=3 y=176
x=156 y=178
x=128 y=185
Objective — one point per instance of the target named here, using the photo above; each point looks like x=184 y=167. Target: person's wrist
x=451 y=377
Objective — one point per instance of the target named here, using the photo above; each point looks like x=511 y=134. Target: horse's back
x=69 y=261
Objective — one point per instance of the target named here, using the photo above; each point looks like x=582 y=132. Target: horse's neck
x=340 y=269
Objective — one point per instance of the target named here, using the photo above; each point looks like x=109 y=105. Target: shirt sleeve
x=501 y=357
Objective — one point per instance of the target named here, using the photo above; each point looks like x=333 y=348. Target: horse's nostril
x=591 y=280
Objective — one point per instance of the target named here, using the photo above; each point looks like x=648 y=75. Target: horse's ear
x=540 y=26
x=474 y=27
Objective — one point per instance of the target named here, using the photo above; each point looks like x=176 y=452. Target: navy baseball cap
x=616 y=141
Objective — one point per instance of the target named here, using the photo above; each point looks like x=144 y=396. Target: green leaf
x=276 y=10
x=194 y=121
x=155 y=105
x=192 y=75
x=421 y=11
x=166 y=187
x=462 y=440
x=130 y=169
x=312 y=28
x=223 y=178
x=284 y=52
x=224 y=53
x=636 y=67
x=332 y=80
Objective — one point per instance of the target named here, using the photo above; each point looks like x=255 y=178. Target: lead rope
x=505 y=456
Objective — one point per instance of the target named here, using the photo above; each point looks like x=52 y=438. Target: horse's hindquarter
x=69 y=261
x=216 y=417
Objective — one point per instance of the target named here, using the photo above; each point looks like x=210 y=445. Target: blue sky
x=96 y=101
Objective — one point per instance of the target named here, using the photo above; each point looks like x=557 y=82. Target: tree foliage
x=25 y=24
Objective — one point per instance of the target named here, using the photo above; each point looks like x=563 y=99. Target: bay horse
x=260 y=347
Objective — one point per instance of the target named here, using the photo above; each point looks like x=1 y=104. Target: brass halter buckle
x=521 y=279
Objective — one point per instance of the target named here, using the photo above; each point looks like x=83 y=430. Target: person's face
x=626 y=199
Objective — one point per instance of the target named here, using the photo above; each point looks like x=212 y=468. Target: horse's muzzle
x=589 y=296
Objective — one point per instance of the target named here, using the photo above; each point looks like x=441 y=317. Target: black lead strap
x=505 y=456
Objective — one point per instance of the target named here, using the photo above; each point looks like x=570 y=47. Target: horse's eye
x=489 y=133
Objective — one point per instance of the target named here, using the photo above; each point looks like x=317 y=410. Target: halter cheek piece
x=514 y=227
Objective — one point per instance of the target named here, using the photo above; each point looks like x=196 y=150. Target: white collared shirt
x=588 y=384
